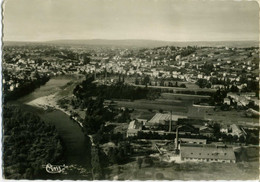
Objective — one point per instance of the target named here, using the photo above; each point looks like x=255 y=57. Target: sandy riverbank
x=46 y=102
x=50 y=101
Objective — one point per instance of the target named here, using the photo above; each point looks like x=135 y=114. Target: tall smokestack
x=177 y=139
x=170 y=124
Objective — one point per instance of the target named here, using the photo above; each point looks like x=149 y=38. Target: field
x=186 y=171
x=183 y=97
x=175 y=106
x=179 y=104
x=232 y=117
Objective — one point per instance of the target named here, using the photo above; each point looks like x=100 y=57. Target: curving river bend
x=77 y=152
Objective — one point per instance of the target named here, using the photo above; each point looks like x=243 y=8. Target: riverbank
x=50 y=102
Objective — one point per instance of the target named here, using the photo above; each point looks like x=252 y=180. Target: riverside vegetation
x=29 y=143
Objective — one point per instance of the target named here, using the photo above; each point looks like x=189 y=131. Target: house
x=235 y=130
x=206 y=131
x=227 y=101
x=207 y=153
x=217 y=86
x=133 y=128
x=225 y=129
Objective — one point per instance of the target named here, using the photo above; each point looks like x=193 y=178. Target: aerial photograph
x=130 y=90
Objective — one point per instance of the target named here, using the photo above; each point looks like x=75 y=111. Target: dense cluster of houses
x=241 y=99
x=226 y=65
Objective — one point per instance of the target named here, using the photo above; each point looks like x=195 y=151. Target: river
x=77 y=146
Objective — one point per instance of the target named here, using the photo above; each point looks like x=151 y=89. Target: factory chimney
x=170 y=124
x=177 y=140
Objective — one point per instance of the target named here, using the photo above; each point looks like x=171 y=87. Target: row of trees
x=28 y=144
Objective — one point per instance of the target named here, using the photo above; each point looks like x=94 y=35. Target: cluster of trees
x=119 y=155
x=252 y=137
x=207 y=68
x=24 y=88
x=203 y=83
x=117 y=91
x=251 y=86
x=115 y=155
x=123 y=91
x=219 y=96
x=96 y=115
x=189 y=50
x=98 y=112
x=28 y=144
x=98 y=163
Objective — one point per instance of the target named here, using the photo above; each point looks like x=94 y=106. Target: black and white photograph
x=130 y=90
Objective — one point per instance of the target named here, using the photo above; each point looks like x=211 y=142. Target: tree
x=202 y=83
x=182 y=85
x=124 y=117
x=229 y=138
x=148 y=161
x=234 y=88
x=139 y=162
x=146 y=80
x=242 y=139
x=28 y=136
x=97 y=171
x=136 y=81
x=235 y=138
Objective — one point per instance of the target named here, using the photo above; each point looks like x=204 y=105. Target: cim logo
x=54 y=169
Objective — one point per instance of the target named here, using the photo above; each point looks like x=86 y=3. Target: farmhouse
x=206 y=153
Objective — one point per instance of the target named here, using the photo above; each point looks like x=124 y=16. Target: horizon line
x=170 y=41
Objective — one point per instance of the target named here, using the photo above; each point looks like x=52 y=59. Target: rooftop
x=207 y=152
x=159 y=117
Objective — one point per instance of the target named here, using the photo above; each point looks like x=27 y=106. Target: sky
x=168 y=20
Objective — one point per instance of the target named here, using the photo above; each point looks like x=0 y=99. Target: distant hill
x=140 y=43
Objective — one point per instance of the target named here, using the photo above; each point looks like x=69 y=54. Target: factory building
x=207 y=153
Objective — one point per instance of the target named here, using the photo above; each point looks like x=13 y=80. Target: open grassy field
x=188 y=97
x=232 y=117
x=176 y=106
x=186 y=171
x=142 y=114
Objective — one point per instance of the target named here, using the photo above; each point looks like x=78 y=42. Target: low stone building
x=207 y=153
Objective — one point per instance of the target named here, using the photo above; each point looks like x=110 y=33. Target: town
x=164 y=106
